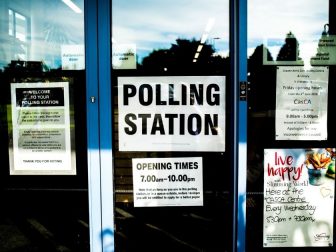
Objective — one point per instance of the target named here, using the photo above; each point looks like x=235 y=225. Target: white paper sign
x=298 y=198
x=73 y=57
x=40 y=129
x=175 y=113
x=301 y=103
x=124 y=56
x=326 y=51
x=167 y=182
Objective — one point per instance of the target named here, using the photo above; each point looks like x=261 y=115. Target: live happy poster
x=299 y=186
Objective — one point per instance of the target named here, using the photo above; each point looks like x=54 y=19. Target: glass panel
x=43 y=176
x=20 y=27
x=10 y=23
x=291 y=141
x=171 y=89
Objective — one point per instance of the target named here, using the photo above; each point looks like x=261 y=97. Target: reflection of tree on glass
x=290 y=50
x=261 y=77
x=178 y=59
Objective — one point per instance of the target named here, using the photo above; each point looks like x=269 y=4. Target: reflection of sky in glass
x=270 y=20
x=52 y=24
x=152 y=24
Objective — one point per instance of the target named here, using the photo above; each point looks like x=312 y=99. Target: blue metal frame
x=105 y=121
x=238 y=49
x=242 y=126
x=91 y=63
x=99 y=124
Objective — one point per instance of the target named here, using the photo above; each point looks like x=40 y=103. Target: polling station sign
x=171 y=113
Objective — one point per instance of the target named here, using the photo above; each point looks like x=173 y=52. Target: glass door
x=43 y=175
x=172 y=126
x=291 y=137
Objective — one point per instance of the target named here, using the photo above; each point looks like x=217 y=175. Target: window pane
x=10 y=23
x=171 y=86
x=291 y=53
x=43 y=175
x=20 y=27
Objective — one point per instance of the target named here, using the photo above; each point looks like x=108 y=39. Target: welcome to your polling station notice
x=40 y=129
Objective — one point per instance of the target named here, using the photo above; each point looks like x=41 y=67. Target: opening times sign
x=179 y=113
x=301 y=103
x=299 y=186
x=167 y=182
x=40 y=129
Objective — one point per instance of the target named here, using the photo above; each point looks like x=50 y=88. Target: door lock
x=243 y=91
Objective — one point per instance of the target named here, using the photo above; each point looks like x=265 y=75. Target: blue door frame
x=99 y=124
x=240 y=31
x=99 y=121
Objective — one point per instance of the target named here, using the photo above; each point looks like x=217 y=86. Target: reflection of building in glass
x=14 y=35
x=18 y=32
x=19 y=66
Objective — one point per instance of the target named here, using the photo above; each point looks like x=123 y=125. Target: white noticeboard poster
x=73 y=57
x=172 y=113
x=167 y=182
x=124 y=56
x=299 y=186
x=326 y=51
x=301 y=103
x=40 y=130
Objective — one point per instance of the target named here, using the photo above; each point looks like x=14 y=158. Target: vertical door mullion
x=91 y=65
x=233 y=103
x=98 y=72
x=105 y=122
x=242 y=123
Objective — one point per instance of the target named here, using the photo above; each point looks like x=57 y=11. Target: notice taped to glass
x=326 y=51
x=299 y=187
x=301 y=103
x=40 y=129
x=167 y=182
x=172 y=113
